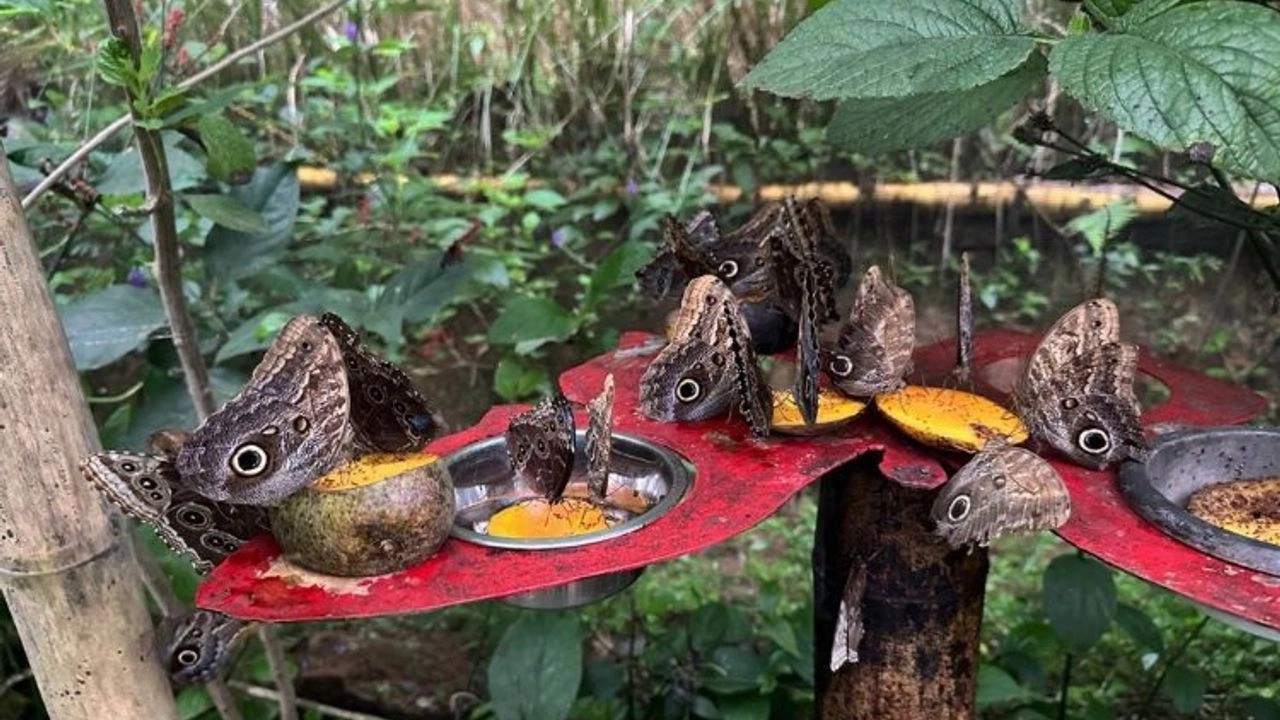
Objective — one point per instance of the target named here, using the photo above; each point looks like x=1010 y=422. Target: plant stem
x=1174 y=657
x=288 y=698
x=1067 y=663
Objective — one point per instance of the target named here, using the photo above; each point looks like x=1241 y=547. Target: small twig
x=223 y=701
x=12 y=680
x=257 y=691
x=1170 y=660
x=279 y=672
x=1067 y=662
x=121 y=122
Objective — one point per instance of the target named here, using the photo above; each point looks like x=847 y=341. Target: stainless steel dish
x=483 y=484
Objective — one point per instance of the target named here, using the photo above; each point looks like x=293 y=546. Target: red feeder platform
x=740 y=481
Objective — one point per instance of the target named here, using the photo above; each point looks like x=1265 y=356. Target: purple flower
x=136 y=278
x=351 y=30
x=559 y=237
x=632 y=187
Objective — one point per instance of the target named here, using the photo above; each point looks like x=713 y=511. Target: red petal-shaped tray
x=740 y=481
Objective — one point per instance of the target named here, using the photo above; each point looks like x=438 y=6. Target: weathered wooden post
x=67 y=573
x=922 y=609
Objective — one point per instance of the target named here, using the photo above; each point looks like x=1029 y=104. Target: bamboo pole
x=69 y=579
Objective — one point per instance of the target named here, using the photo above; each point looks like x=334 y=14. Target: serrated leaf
x=114 y=63
x=104 y=326
x=1139 y=626
x=1080 y=600
x=228 y=153
x=871 y=48
x=879 y=125
x=274 y=193
x=228 y=212
x=996 y=687
x=1185 y=688
x=531 y=322
x=536 y=669
x=1203 y=72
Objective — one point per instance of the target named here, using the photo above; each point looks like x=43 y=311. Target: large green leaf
x=123 y=175
x=535 y=671
x=1185 y=687
x=878 y=125
x=872 y=48
x=531 y=322
x=273 y=193
x=1080 y=600
x=229 y=154
x=104 y=326
x=996 y=687
x=1203 y=72
x=166 y=404
x=227 y=211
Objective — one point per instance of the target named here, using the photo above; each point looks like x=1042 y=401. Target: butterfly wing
x=849 y=624
x=540 y=445
x=1077 y=394
x=1002 y=489
x=599 y=441
x=709 y=365
x=196 y=647
x=388 y=414
x=873 y=351
x=149 y=488
x=287 y=427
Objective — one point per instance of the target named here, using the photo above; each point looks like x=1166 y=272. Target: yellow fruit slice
x=1245 y=507
x=537 y=518
x=950 y=419
x=369 y=469
x=834 y=411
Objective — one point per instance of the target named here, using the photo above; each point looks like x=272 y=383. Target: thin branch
x=257 y=691
x=121 y=122
x=279 y=672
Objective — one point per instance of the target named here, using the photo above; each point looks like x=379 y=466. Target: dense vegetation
x=589 y=121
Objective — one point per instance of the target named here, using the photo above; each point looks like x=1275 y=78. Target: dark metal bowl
x=483 y=484
x=1181 y=463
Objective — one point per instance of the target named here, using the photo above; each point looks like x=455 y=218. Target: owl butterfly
x=1002 y=489
x=599 y=441
x=1076 y=393
x=695 y=248
x=849 y=625
x=873 y=351
x=708 y=367
x=388 y=414
x=287 y=427
x=196 y=647
x=540 y=444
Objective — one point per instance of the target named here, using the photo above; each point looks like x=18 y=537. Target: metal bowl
x=483 y=484
x=1181 y=463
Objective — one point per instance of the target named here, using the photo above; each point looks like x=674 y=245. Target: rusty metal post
x=67 y=576
x=922 y=608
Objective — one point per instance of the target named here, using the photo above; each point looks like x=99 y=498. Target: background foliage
x=589 y=120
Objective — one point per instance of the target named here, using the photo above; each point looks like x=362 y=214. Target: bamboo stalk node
x=56 y=563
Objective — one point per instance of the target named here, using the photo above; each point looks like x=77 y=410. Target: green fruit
x=375 y=515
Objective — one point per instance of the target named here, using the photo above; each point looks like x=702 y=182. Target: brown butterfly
x=873 y=351
x=1002 y=489
x=599 y=440
x=196 y=647
x=708 y=367
x=849 y=624
x=388 y=414
x=1076 y=393
x=540 y=445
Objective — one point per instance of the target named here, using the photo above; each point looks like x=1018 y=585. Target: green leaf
x=229 y=154
x=879 y=125
x=256 y=333
x=193 y=702
x=531 y=322
x=114 y=63
x=124 y=175
x=748 y=706
x=536 y=669
x=544 y=199
x=422 y=289
x=104 y=326
x=997 y=687
x=1185 y=687
x=734 y=670
x=616 y=270
x=152 y=54
x=1260 y=708
x=273 y=192
x=1104 y=223
x=1139 y=626
x=167 y=404
x=228 y=212
x=514 y=381
x=1203 y=72
x=871 y=48
x=1080 y=600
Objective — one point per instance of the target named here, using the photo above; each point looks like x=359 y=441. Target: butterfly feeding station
x=922 y=604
